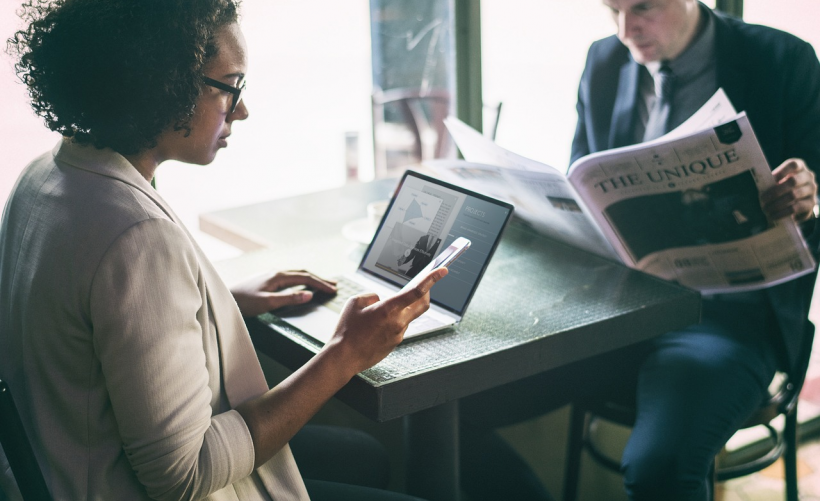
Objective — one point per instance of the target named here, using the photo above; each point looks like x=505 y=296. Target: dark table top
x=540 y=305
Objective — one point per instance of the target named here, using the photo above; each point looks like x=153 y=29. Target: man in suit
x=695 y=387
x=421 y=254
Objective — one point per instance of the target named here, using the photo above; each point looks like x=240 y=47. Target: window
x=24 y=136
x=309 y=85
x=799 y=17
x=533 y=53
x=413 y=82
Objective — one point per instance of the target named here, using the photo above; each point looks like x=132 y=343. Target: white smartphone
x=447 y=256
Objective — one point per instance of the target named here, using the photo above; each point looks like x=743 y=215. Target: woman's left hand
x=262 y=294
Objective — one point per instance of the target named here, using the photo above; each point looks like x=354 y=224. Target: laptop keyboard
x=345 y=289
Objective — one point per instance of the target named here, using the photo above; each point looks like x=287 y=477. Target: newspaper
x=684 y=207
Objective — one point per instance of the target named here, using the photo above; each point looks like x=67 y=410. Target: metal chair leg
x=712 y=481
x=790 y=455
x=575 y=446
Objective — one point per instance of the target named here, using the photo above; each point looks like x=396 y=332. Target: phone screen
x=449 y=251
x=446 y=258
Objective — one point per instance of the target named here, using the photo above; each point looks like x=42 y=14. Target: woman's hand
x=369 y=329
x=794 y=194
x=262 y=294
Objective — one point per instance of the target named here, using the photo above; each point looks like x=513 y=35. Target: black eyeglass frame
x=235 y=91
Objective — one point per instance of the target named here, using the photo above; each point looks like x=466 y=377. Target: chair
x=783 y=399
x=18 y=450
x=408 y=127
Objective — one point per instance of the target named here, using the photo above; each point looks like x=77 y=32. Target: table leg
x=431 y=453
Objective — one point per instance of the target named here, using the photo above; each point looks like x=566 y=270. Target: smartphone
x=447 y=256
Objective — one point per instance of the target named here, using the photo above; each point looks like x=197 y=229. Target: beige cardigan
x=123 y=348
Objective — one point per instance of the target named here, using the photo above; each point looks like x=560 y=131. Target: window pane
x=533 y=53
x=309 y=84
x=413 y=81
x=799 y=17
x=24 y=135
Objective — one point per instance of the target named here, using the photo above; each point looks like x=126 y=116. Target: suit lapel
x=623 y=112
x=242 y=374
x=243 y=378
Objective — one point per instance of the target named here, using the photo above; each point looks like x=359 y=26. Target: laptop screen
x=424 y=217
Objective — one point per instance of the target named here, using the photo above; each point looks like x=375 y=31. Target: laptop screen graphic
x=425 y=217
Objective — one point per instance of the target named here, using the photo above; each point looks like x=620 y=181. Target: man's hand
x=262 y=294
x=794 y=194
x=369 y=329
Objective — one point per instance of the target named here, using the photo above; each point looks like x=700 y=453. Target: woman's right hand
x=369 y=329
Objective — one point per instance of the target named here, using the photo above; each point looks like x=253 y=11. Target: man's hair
x=117 y=73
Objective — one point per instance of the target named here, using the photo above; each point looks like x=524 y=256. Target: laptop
x=424 y=217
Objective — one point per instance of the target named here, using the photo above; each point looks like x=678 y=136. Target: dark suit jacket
x=773 y=76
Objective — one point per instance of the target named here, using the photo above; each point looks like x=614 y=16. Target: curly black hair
x=117 y=73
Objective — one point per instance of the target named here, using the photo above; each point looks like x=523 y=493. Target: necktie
x=658 y=123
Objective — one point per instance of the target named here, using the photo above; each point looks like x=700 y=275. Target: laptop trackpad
x=319 y=321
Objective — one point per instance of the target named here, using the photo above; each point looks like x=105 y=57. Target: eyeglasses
x=235 y=91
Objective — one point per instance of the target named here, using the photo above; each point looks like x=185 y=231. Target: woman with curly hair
x=129 y=359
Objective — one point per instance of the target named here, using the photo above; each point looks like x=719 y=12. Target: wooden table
x=541 y=305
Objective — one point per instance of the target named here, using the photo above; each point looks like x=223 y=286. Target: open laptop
x=424 y=217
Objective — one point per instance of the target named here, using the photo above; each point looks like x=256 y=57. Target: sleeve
x=145 y=300
x=580 y=143
x=802 y=120
x=803 y=106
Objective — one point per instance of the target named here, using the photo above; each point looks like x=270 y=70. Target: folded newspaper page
x=542 y=195
x=684 y=207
